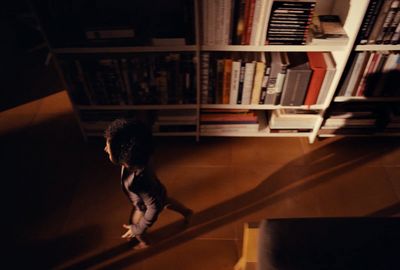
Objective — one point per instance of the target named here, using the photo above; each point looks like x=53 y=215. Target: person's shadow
x=325 y=163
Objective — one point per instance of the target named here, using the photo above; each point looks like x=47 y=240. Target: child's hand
x=128 y=234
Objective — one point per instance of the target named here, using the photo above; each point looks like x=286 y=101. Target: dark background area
x=24 y=73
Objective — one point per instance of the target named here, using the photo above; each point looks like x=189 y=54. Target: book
x=387 y=21
x=297 y=78
x=265 y=80
x=235 y=77
x=354 y=77
x=278 y=65
x=319 y=36
x=248 y=81
x=226 y=81
x=280 y=79
x=286 y=16
x=205 y=66
x=377 y=27
x=281 y=120
x=261 y=34
x=368 y=70
x=370 y=17
x=329 y=75
x=258 y=79
x=317 y=64
x=392 y=27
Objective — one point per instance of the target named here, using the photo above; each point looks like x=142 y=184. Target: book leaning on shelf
x=372 y=74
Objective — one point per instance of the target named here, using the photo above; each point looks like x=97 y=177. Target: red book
x=317 y=64
x=248 y=21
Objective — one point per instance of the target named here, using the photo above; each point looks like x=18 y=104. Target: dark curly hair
x=130 y=142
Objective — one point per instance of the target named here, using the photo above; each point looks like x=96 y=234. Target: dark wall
x=24 y=75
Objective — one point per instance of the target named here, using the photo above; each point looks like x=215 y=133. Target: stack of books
x=381 y=24
x=289 y=22
x=217 y=121
x=327 y=29
x=175 y=121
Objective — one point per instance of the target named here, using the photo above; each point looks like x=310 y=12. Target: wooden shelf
x=137 y=107
x=274 y=48
x=367 y=99
x=377 y=47
x=256 y=134
x=258 y=107
x=89 y=50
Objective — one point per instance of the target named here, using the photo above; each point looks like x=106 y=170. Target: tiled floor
x=65 y=208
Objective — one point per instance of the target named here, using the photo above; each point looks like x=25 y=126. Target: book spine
x=369 y=20
x=205 y=65
x=248 y=82
x=258 y=77
x=241 y=82
x=388 y=19
x=227 y=81
x=264 y=84
x=234 y=82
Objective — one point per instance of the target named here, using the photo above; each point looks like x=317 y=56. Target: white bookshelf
x=351 y=13
x=379 y=101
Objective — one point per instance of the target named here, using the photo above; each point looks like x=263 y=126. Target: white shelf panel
x=255 y=134
x=274 y=48
x=377 y=47
x=360 y=135
x=159 y=134
x=259 y=107
x=175 y=134
x=372 y=99
x=88 y=50
x=137 y=107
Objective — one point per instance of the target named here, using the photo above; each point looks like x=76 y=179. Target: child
x=129 y=144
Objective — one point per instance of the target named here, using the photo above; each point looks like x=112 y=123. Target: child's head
x=128 y=143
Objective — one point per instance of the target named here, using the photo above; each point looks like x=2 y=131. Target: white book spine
x=265 y=20
x=234 y=82
x=330 y=72
x=248 y=82
x=354 y=76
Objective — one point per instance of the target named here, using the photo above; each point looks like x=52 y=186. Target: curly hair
x=130 y=142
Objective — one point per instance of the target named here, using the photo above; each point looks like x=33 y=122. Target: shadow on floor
x=325 y=164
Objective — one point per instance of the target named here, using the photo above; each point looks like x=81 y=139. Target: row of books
x=372 y=74
x=381 y=23
x=362 y=119
x=285 y=78
x=161 y=78
x=256 y=22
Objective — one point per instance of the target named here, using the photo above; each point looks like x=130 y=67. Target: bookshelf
x=367 y=102
x=94 y=116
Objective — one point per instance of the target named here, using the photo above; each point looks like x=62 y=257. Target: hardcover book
x=297 y=78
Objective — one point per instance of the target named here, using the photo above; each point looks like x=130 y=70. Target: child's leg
x=176 y=206
x=136 y=215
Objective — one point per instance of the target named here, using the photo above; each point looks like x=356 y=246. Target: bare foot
x=141 y=245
